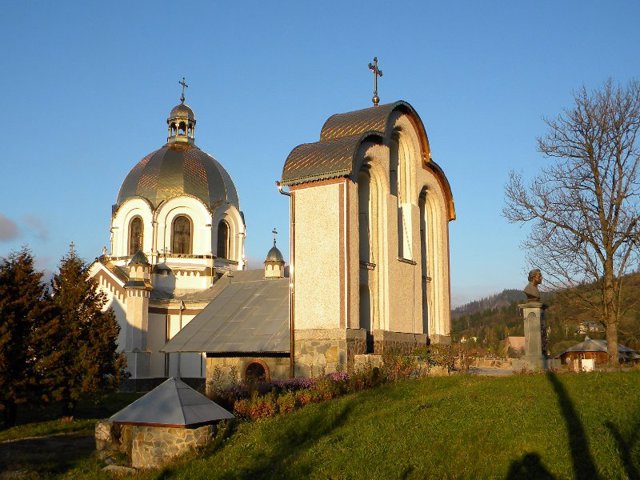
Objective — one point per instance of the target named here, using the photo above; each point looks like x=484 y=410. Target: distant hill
x=492 y=302
x=492 y=319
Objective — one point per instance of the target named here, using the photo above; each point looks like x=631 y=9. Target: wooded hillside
x=492 y=319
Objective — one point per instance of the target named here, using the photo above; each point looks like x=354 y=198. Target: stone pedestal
x=535 y=357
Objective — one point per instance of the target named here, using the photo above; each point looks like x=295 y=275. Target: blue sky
x=87 y=87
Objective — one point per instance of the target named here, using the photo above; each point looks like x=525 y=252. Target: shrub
x=286 y=402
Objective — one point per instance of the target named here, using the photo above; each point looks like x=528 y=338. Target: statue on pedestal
x=531 y=290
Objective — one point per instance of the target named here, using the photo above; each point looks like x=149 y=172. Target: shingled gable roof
x=342 y=135
x=173 y=403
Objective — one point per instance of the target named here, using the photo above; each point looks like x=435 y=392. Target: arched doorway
x=256 y=372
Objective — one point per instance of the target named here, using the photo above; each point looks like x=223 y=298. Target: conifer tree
x=79 y=342
x=23 y=304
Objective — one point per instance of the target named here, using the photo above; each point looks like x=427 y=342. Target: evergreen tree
x=79 y=342
x=23 y=304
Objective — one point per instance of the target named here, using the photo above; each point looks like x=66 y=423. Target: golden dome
x=181 y=111
x=179 y=169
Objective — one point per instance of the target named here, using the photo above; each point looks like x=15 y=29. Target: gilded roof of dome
x=274 y=255
x=181 y=110
x=179 y=169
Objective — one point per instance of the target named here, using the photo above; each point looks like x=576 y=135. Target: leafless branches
x=585 y=207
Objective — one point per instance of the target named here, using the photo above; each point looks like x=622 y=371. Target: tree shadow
x=625 y=447
x=286 y=445
x=583 y=465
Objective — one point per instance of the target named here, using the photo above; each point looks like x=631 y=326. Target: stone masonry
x=148 y=446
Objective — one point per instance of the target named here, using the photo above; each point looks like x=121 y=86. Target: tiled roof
x=335 y=154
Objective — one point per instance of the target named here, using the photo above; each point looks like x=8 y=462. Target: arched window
x=256 y=372
x=364 y=216
x=181 y=238
x=136 y=232
x=423 y=261
x=223 y=240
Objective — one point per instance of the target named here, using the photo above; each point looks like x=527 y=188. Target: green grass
x=455 y=427
x=44 y=446
x=536 y=426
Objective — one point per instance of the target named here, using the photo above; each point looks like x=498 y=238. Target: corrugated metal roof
x=172 y=403
x=249 y=316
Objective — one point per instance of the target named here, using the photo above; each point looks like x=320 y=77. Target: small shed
x=592 y=352
x=161 y=425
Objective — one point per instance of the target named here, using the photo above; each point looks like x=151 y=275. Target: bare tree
x=584 y=207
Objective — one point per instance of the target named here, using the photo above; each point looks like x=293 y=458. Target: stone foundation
x=321 y=351
x=155 y=446
x=396 y=342
x=144 y=446
x=224 y=371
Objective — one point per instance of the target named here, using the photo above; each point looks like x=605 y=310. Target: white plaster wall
x=157 y=340
x=316 y=262
x=395 y=282
x=115 y=299
x=120 y=226
x=189 y=365
x=200 y=224
x=237 y=233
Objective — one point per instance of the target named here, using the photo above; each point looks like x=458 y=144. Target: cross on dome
x=184 y=85
x=376 y=73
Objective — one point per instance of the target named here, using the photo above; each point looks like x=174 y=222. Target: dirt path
x=34 y=456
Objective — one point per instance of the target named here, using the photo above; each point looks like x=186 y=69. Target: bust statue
x=531 y=290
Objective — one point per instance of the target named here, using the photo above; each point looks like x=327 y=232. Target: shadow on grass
x=583 y=465
x=625 y=446
x=529 y=466
x=285 y=446
x=53 y=454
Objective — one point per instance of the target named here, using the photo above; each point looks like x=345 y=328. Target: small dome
x=181 y=111
x=274 y=255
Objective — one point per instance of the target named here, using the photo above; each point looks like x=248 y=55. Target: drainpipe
x=292 y=343
x=181 y=308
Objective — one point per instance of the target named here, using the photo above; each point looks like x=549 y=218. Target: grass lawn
x=42 y=445
x=535 y=426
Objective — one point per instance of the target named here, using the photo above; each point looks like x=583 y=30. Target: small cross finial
x=275 y=232
x=184 y=85
x=376 y=73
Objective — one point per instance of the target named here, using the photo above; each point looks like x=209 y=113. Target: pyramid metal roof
x=173 y=403
x=592 y=345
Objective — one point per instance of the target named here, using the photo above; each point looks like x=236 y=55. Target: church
x=368 y=271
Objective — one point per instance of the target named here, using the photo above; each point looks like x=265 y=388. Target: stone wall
x=155 y=446
x=230 y=368
x=145 y=446
x=396 y=342
x=326 y=351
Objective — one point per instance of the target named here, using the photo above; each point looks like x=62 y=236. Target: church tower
x=369 y=239
x=274 y=263
x=176 y=227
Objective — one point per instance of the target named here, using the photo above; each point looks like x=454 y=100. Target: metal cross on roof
x=184 y=85
x=275 y=232
x=376 y=73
